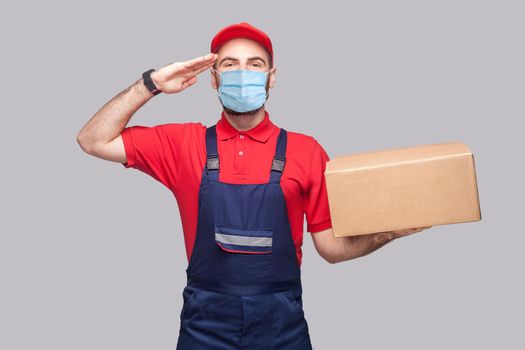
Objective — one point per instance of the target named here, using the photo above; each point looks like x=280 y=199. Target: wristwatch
x=146 y=77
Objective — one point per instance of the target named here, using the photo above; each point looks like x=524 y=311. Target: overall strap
x=279 y=159
x=212 y=155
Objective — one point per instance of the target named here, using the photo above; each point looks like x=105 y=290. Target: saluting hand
x=178 y=76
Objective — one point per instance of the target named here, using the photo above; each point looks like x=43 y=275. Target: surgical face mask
x=242 y=90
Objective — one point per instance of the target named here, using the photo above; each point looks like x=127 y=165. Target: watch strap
x=146 y=77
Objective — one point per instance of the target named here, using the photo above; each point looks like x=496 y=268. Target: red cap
x=241 y=30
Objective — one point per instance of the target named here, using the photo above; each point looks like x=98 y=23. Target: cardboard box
x=401 y=188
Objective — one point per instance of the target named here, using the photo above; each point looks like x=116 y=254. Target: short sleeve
x=316 y=198
x=155 y=150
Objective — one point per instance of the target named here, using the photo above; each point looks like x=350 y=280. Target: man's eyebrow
x=254 y=58
x=228 y=58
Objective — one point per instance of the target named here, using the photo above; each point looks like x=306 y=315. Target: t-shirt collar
x=261 y=132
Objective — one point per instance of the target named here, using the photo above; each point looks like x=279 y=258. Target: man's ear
x=214 y=82
x=272 y=77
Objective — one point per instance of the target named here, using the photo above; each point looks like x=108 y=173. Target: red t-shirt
x=175 y=155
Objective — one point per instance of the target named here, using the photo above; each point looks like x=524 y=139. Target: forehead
x=242 y=48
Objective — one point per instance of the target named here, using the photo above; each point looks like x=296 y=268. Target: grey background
x=92 y=254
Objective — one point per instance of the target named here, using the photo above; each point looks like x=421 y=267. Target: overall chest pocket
x=244 y=240
x=244 y=254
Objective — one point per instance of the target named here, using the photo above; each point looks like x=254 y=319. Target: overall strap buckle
x=212 y=154
x=279 y=159
x=212 y=163
x=278 y=163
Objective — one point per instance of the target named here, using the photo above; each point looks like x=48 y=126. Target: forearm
x=113 y=117
x=357 y=246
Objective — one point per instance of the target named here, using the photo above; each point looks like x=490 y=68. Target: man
x=243 y=187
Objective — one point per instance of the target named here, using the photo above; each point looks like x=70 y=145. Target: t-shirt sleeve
x=316 y=198
x=155 y=150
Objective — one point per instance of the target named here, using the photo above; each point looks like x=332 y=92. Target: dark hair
x=269 y=58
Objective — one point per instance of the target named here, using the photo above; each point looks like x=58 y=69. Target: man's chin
x=241 y=114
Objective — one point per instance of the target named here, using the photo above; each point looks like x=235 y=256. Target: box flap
x=394 y=156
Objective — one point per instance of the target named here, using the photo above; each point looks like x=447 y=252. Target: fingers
x=409 y=231
x=198 y=62
x=203 y=68
x=417 y=229
x=189 y=82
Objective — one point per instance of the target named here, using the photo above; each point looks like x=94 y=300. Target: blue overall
x=243 y=279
